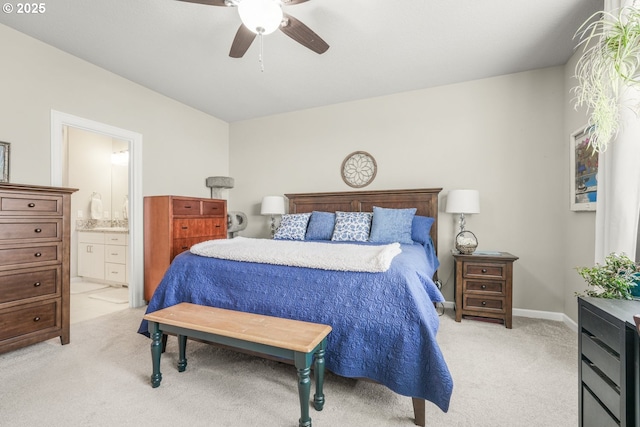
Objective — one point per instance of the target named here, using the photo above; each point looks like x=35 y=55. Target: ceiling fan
x=261 y=17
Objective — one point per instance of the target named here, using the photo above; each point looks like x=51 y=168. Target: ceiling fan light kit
x=261 y=17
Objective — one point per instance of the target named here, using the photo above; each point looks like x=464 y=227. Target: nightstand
x=484 y=285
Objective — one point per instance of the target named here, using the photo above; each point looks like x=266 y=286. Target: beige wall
x=503 y=136
x=181 y=146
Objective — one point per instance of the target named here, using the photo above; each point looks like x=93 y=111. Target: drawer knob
x=32 y=205
x=484 y=286
x=36 y=319
x=38 y=230
x=484 y=270
x=484 y=303
x=184 y=248
x=184 y=227
x=114 y=254
x=217 y=225
x=38 y=254
x=187 y=207
x=35 y=285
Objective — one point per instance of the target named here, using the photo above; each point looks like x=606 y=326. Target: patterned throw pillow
x=352 y=226
x=392 y=225
x=292 y=227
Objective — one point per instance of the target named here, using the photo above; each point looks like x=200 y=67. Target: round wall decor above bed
x=359 y=169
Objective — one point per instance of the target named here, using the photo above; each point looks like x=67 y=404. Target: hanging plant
x=610 y=62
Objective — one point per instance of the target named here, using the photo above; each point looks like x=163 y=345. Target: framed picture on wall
x=584 y=171
x=4 y=161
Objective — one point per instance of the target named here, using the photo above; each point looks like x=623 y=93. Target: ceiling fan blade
x=208 y=2
x=243 y=39
x=303 y=34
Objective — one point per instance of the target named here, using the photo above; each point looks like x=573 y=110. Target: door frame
x=136 y=230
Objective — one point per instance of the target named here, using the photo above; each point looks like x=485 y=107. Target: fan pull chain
x=260 y=55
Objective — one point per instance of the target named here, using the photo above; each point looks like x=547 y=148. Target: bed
x=384 y=324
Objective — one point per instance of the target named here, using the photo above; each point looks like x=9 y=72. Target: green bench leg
x=318 y=372
x=182 y=348
x=303 y=365
x=156 y=351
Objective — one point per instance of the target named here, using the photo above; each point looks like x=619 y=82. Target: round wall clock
x=359 y=169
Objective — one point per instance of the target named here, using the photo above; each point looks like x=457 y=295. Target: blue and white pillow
x=321 y=226
x=352 y=226
x=292 y=227
x=392 y=225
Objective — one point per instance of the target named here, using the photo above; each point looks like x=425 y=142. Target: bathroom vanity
x=103 y=255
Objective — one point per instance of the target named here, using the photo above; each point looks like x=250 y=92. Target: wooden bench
x=302 y=342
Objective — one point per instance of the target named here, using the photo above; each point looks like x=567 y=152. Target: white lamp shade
x=260 y=16
x=463 y=201
x=272 y=205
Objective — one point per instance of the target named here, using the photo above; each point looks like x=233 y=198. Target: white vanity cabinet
x=91 y=255
x=103 y=256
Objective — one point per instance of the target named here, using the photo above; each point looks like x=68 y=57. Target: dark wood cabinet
x=484 y=285
x=172 y=224
x=34 y=264
x=609 y=363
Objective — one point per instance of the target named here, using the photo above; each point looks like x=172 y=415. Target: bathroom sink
x=112 y=229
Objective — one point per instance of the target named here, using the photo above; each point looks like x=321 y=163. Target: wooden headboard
x=425 y=200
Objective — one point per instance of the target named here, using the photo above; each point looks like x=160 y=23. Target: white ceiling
x=377 y=47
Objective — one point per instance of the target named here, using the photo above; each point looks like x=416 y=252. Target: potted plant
x=618 y=278
x=609 y=63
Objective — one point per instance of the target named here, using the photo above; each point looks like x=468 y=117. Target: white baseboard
x=535 y=314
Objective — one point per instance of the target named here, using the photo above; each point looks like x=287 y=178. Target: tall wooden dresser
x=609 y=363
x=172 y=224
x=34 y=264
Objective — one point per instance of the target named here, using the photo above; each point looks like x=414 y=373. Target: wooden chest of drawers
x=34 y=264
x=484 y=285
x=172 y=224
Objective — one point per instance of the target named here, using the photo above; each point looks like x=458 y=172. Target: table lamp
x=272 y=205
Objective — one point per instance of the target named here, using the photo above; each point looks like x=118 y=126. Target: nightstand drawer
x=492 y=287
x=480 y=302
x=485 y=270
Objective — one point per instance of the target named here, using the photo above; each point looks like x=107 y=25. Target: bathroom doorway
x=119 y=141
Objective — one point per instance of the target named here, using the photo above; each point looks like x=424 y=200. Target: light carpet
x=526 y=376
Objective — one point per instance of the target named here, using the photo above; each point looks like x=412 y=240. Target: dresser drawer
x=481 y=302
x=25 y=255
x=606 y=332
x=35 y=230
x=116 y=239
x=181 y=245
x=115 y=272
x=17 y=204
x=491 y=287
x=186 y=207
x=606 y=391
x=185 y=228
x=21 y=284
x=116 y=254
x=28 y=318
x=213 y=208
x=485 y=270
x=593 y=414
x=602 y=357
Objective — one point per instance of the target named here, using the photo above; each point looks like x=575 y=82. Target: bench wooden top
x=289 y=334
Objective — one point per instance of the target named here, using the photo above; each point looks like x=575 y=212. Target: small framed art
x=4 y=161
x=584 y=171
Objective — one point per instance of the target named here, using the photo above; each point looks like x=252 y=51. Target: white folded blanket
x=325 y=256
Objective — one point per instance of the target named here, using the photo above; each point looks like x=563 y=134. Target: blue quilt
x=384 y=324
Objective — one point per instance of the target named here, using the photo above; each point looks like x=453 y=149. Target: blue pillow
x=352 y=227
x=292 y=227
x=392 y=225
x=421 y=229
x=321 y=226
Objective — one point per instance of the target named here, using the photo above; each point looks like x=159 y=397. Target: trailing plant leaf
x=613 y=280
x=609 y=62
